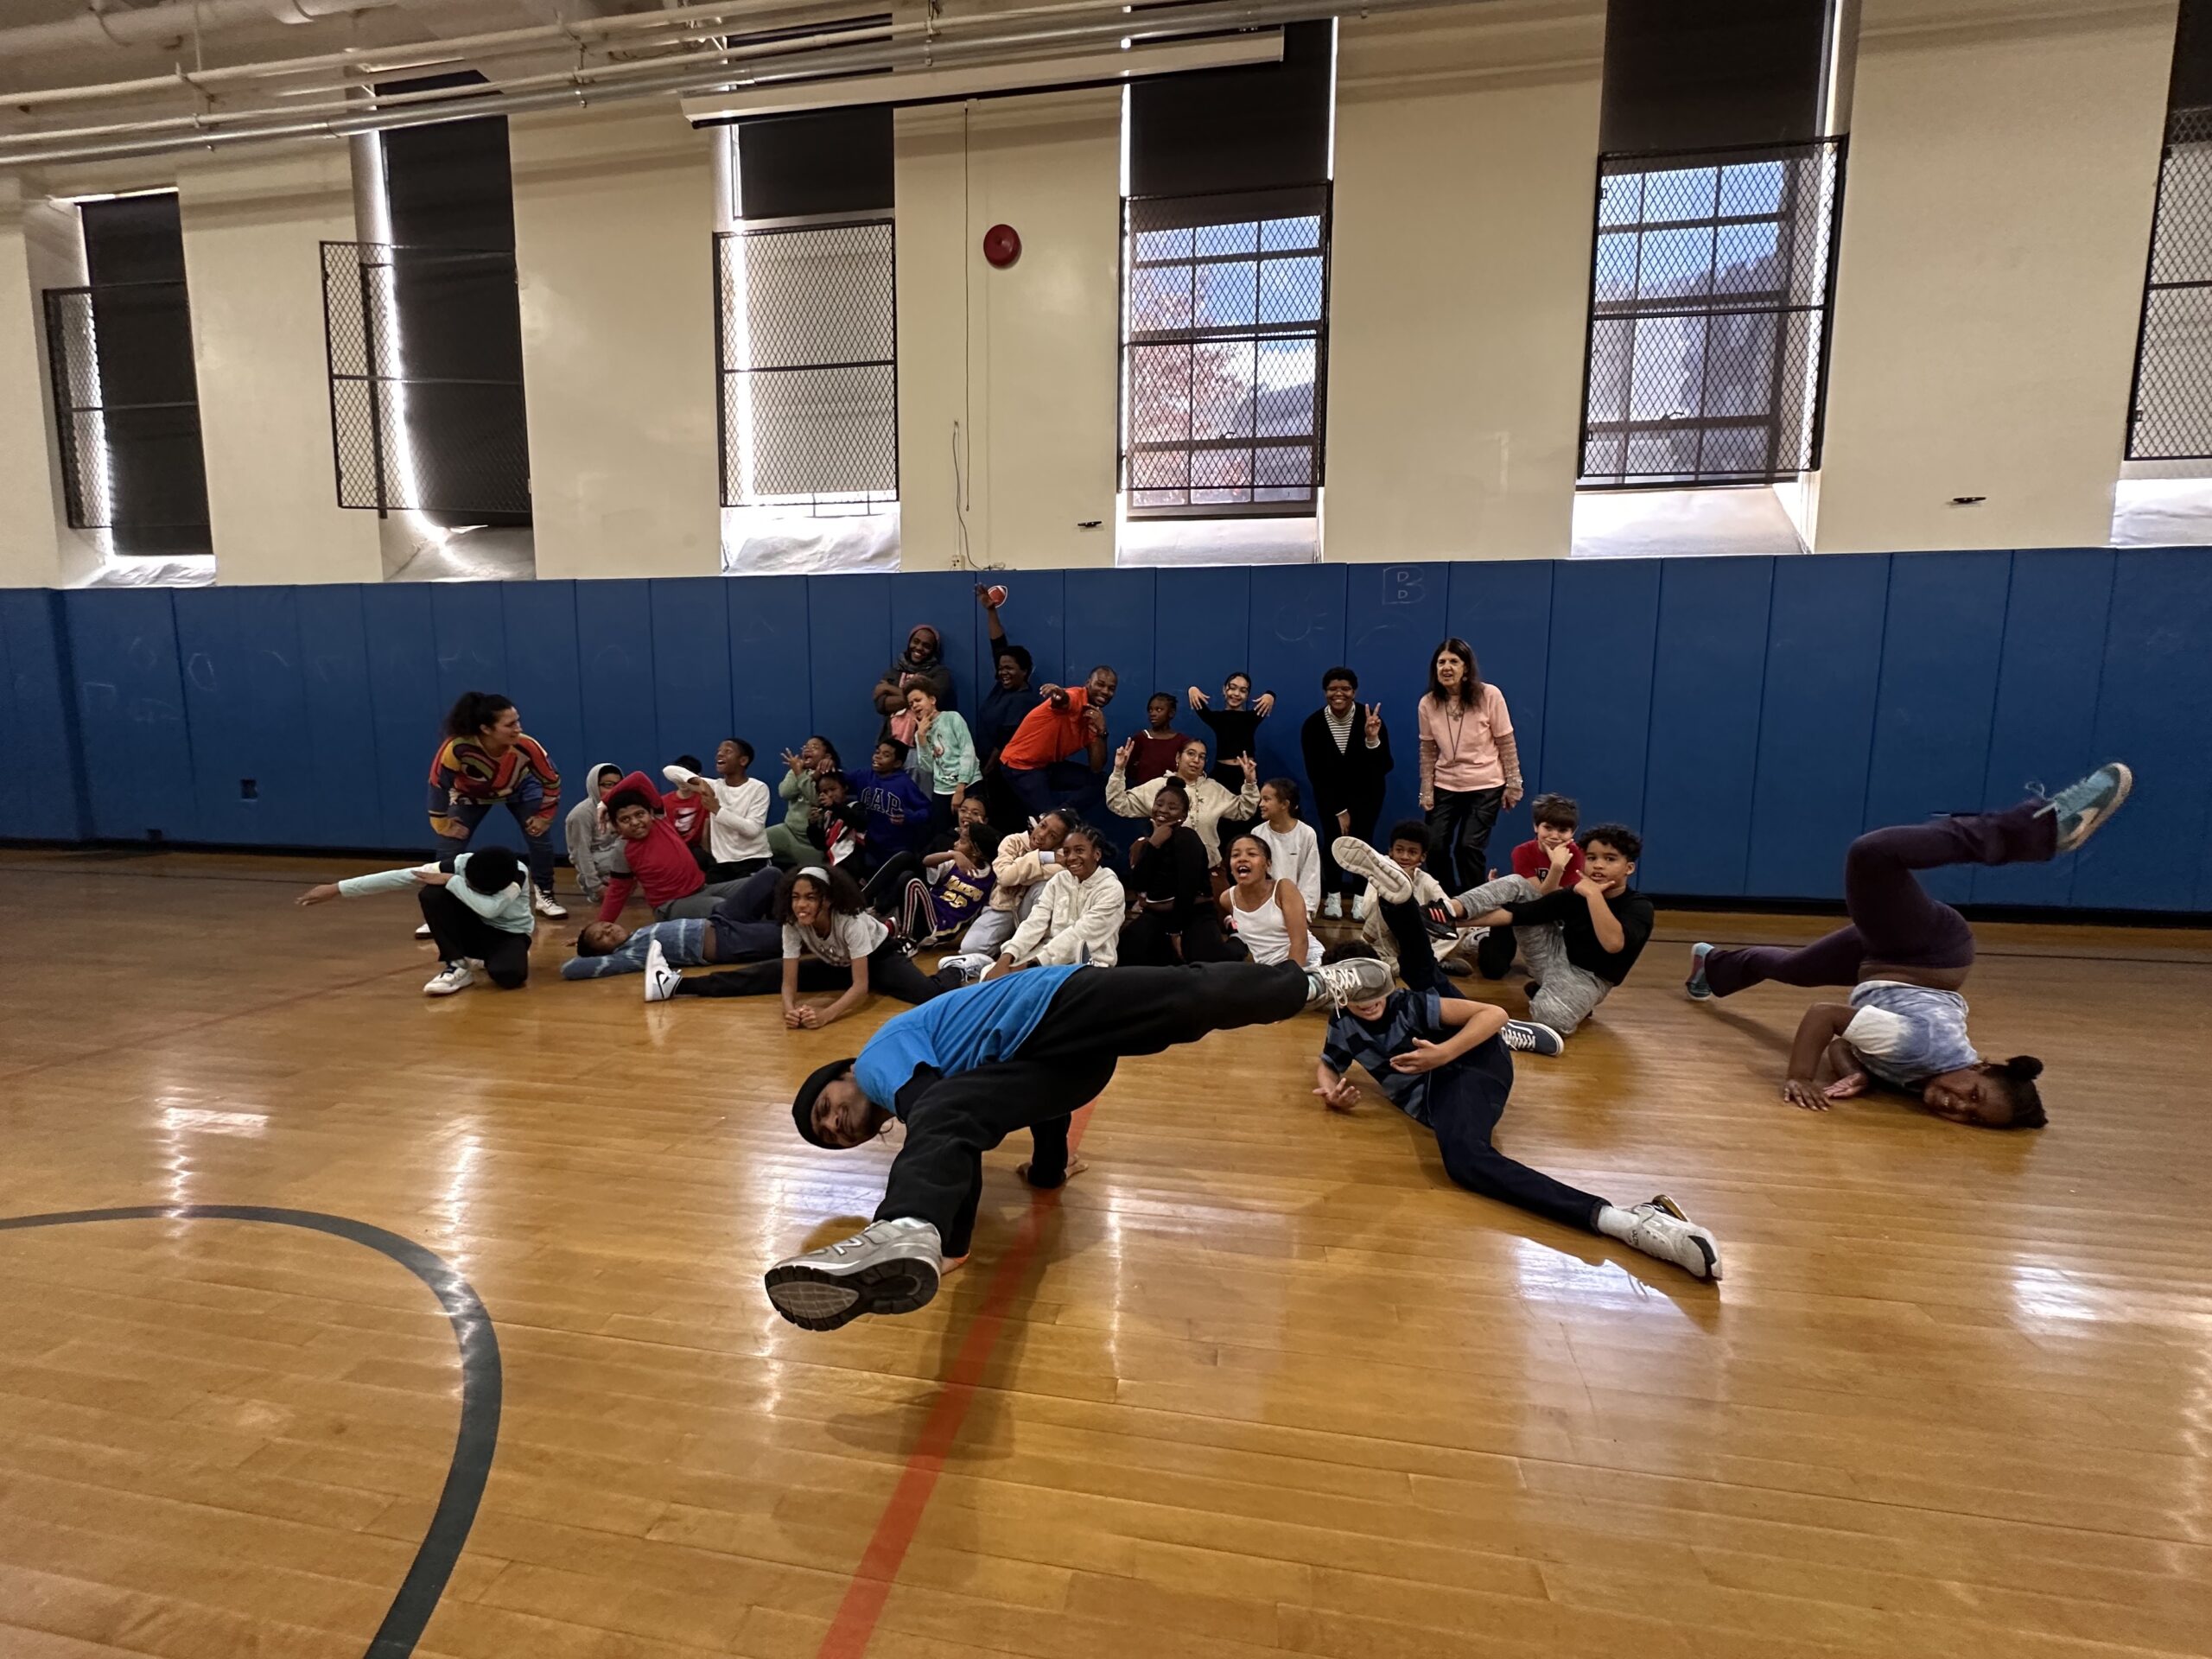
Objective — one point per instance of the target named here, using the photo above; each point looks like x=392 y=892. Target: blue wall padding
x=1749 y=715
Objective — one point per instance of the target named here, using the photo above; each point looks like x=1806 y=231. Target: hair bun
x=2025 y=1067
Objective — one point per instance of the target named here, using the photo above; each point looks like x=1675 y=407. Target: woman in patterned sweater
x=487 y=761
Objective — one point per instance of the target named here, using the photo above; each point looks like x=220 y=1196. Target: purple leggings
x=1893 y=918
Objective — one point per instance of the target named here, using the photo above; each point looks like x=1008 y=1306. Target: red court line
x=211 y=1019
x=850 y=1632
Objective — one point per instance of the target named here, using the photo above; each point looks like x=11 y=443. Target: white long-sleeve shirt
x=1295 y=856
x=1074 y=922
x=738 y=829
x=1210 y=805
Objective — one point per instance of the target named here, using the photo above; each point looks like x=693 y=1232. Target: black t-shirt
x=1572 y=911
x=1234 y=732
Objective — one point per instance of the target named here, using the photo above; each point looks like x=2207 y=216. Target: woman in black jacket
x=1347 y=752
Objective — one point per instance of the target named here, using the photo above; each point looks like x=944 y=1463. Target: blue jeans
x=540 y=854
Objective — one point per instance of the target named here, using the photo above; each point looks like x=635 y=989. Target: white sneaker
x=1392 y=885
x=1357 y=979
x=423 y=932
x=1333 y=907
x=661 y=980
x=546 y=905
x=888 y=1267
x=454 y=977
x=1360 y=907
x=1662 y=1230
x=969 y=965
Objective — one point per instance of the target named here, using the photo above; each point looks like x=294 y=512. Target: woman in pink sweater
x=1470 y=766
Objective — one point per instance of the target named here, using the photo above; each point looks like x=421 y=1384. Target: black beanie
x=803 y=1107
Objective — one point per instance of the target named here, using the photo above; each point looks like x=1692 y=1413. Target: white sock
x=1614 y=1223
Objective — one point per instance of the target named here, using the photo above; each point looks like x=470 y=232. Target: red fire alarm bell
x=1001 y=246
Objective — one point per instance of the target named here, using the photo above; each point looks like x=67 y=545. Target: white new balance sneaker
x=1660 y=1230
x=454 y=977
x=1357 y=979
x=661 y=980
x=888 y=1267
x=1392 y=885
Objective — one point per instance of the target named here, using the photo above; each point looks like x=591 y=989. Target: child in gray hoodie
x=594 y=847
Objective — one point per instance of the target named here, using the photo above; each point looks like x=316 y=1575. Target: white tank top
x=1264 y=934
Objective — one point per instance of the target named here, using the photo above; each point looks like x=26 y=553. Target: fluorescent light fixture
x=922 y=85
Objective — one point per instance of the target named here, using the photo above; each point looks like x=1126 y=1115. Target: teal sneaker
x=2082 y=808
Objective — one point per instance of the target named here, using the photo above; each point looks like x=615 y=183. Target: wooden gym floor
x=1261 y=1380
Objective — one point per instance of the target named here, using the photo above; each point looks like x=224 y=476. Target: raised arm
x=1120 y=797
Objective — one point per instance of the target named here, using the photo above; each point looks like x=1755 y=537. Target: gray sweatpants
x=1566 y=995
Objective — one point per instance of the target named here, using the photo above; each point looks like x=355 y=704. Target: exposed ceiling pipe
x=686 y=23
x=740 y=65
x=96 y=27
x=587 y=75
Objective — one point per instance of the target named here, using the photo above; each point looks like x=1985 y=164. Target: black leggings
x=1098 y=1016
x=1467 y=1097
x=888 y=972
x=462 y=933
x=1893 y=920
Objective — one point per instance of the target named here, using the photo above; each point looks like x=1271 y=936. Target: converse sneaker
x=454 y=977
x=888 y=1267
x=1695 y=984
x=1392 y=885
x=1660 y=1230
x=661 y=980
x=1532 y=1037
x=546 y=905
x=1357 y=979
x=2082 y=808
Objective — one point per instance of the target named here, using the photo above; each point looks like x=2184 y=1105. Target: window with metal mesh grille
x=2170 y=415
x=1709 y=299
x=1225 y=348
x=807 y=354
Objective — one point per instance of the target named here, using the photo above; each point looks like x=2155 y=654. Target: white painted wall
x=615 y=220
x=1996 y=215
x=1466 y=160
x=253 y=230
x=1026 y=359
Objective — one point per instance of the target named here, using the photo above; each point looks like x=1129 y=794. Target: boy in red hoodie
x=1550 y=859
x=660 y=861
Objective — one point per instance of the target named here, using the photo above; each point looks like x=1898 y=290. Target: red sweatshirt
x=1530 y=859
x=660 y=861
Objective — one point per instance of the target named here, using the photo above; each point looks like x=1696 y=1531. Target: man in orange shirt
x=1067 y=722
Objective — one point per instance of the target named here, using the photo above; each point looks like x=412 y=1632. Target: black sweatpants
x=1149 y=941
x=1098 y=1017
x=1466 y=1098
x=889 y=972
x=462 y=933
